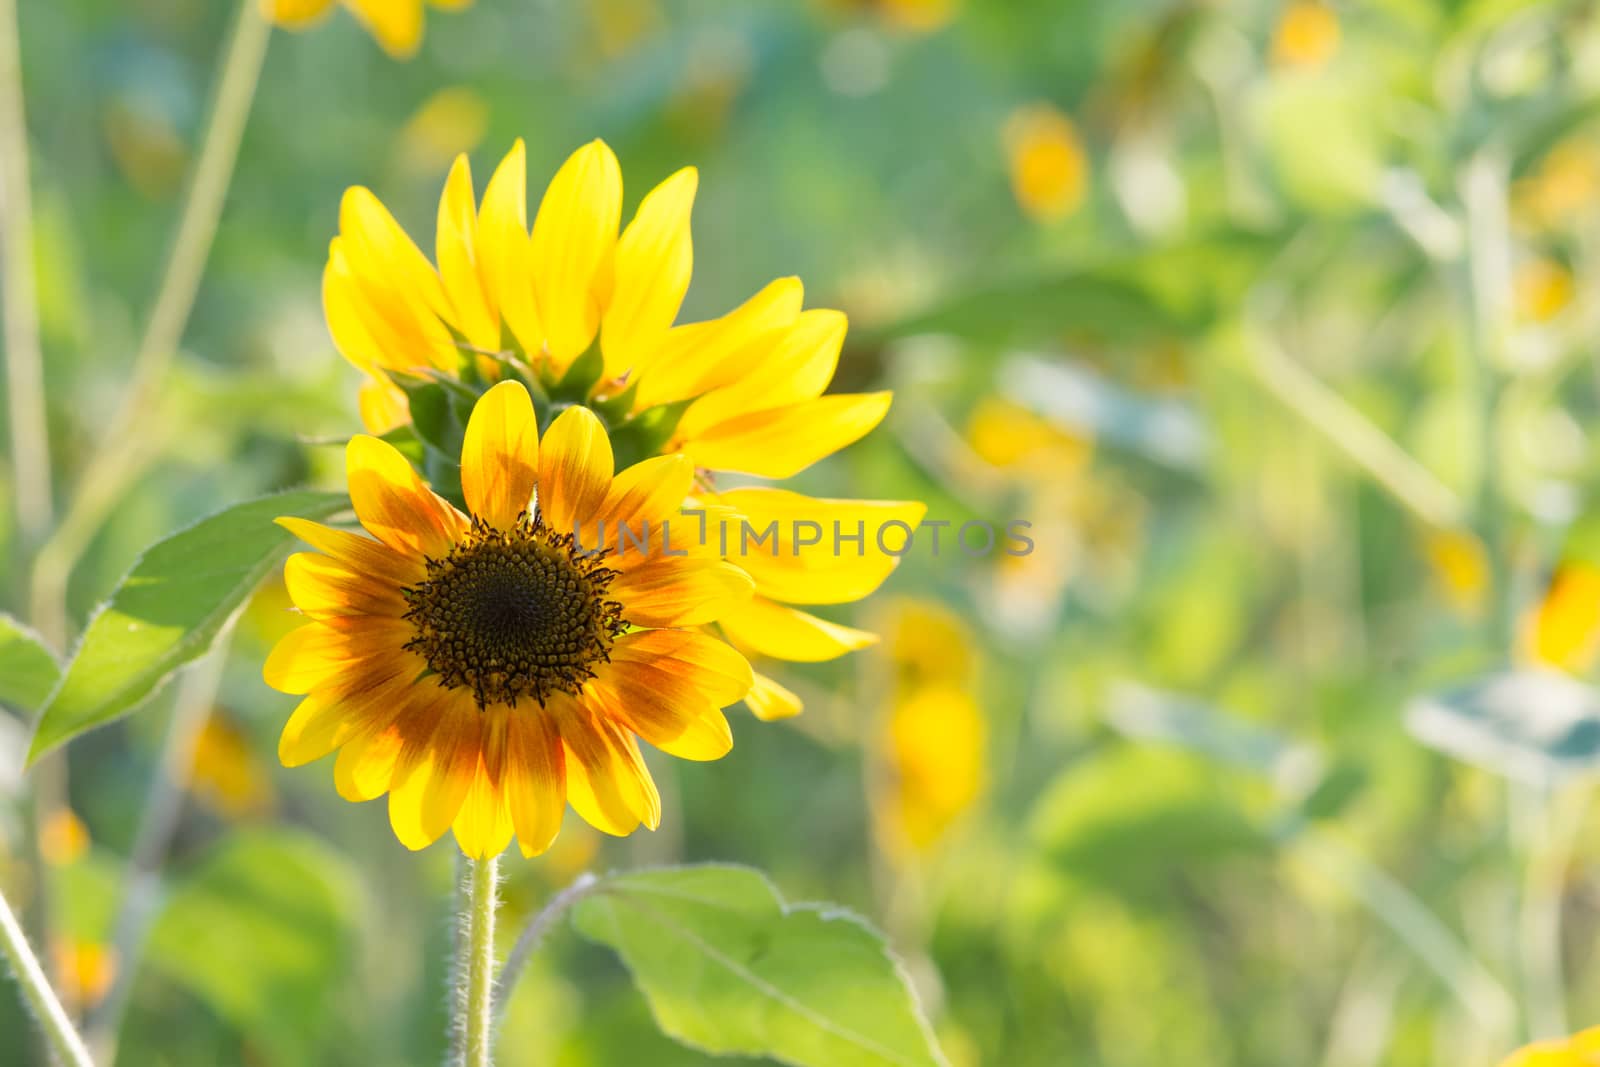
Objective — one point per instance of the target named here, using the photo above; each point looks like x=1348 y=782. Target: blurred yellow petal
x=654 y=259
x=295 y=14
x=63 y=839
x=505 y=254
x=500 y=455
x=1461 y=564
x=780 y=632
x=574 y=235
x=382 y=406
x=698 y=357
x=784 y=442
x=769 y=701
x=394 y=24
x=812 y=556
x=1049 y=170
x=1307 y=34
x=935 y=756
x=575 y=467
x=1564 y=630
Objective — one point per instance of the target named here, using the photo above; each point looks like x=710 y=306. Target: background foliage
x=1275 y=320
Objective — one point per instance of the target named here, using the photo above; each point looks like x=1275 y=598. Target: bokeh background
x=1276 y=320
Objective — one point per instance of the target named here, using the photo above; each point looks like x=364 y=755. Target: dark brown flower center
x=514 y=613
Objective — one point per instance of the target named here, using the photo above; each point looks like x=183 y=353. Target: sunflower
x=394 y=24
x=587 y=316
x=485 y=668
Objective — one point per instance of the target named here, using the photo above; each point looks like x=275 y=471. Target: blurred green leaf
x=261 y=932
x=28 y=670
x=1534 y=726
x=169 y=608
x=729 y=968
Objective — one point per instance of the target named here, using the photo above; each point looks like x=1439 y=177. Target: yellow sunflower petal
x=574 y=234
x=365 y=766
x=433 y=774
x=323 y=588
x=824 y=572
x=654 y=259
x=394 y=24
x=780 y=632
x=294 y=14
x=783 y=442
x=342 y=306
x=329 y=718
x=535 y=781
x=685 y=725
x=607 y=782
x=381 y=250
x=315 y=654
x=483 y=825
x=394 y=504
x=648 y=493
x=500 y=455
x=575 y=465
x=679 y=592
x=505 y=256
x=703 y=355
x=382 y=406
x=456 y=249
x=769 y=701
x=361 y=554
x=694 y=659
x=798 y=368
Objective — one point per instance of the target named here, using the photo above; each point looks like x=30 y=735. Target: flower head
x=394 y=24
x=484 y=668
x=1579 y=1050
x=585 y=315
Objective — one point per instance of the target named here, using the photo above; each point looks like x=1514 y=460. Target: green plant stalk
x=475 y=1002
x=114 y=465
x=1549 y=827
x=19 y=298
x=42 y=1000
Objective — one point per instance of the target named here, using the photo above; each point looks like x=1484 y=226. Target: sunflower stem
x=30 y=436
x=113 y=465
x=475 y=1002
x=41 y=999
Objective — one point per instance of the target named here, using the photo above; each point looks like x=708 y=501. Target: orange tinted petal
x=433 y=773
x=394 y=504
x=679 y=592
x=535 y=781
x=324 y=588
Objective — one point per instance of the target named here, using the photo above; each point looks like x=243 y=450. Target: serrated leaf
x=1535 y=726
x=261 y=931
x=729 y=968
x=168 y=609
x=28 y=670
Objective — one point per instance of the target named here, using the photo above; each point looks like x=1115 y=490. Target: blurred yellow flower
x=1011 y=437
x=1565 y=184
x=745 y=393
x=1544 y=288
x=425 y=640
x=225 y=772
x=1580 y=1050
x=1307 y=34
x=1461 y=566
x=63 y=839
x=450 y=122
x=1048 y=167
x=86 y=968
x=928 y=643
x=394 y=24
x=1563 y=629
x=916 y=16
x=935 y=753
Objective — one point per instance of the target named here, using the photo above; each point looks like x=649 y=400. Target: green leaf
x=1535 y=726
x=28 y=670
x=261 y=931
x=169 y=608
x=727 y=967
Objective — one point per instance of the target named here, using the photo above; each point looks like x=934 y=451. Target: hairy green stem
x=114 y=464
x=475 y=1002
x=19 y=298
x=42 y=1000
